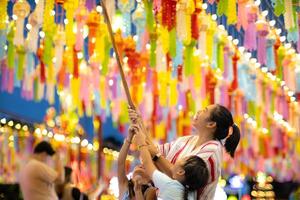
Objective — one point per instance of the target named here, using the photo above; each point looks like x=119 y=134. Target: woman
x=214 y=128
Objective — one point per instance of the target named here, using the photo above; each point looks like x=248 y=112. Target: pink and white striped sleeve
x=165 y=148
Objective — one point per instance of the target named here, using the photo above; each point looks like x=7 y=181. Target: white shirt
x=169 y=189
x=211 y=152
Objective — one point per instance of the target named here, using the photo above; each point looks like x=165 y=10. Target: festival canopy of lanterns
x=177 y=59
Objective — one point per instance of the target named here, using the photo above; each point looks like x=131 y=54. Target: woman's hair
x=130 y=188
x=224 y=121
x=196 y=174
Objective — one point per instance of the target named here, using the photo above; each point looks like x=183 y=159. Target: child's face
x=140 y=175
x=177 y=170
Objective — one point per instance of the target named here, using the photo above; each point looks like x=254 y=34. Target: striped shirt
x=210 y=152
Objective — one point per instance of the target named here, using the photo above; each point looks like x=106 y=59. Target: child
x=188 y=174
x=68 y=191
x=139 y=187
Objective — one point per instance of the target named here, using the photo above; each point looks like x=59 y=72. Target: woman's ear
x=211 y=124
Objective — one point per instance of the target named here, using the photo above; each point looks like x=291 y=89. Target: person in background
x=139 y=187
x=37 y=178
x=68 y=191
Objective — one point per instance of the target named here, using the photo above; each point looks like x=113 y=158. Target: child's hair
x=131 y=188
x=196 y=174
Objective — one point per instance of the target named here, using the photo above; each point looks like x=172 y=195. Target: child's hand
x=131 y=133
x=139 y=138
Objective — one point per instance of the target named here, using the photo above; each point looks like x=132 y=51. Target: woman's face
x=201 y=118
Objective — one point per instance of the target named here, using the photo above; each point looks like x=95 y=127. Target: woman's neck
x=203 y=137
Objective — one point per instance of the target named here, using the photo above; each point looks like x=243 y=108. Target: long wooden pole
x=125 y=85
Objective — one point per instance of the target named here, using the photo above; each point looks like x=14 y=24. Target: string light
x=25 y=128
x=84 y=143
x=10 y=123
x=28 y=26
x=235 y=41
x=42 y=34
x=18 y=126
x=3 y=121
x=272 y=23
x=99 y=9
x=214 y=17
x=59 y=137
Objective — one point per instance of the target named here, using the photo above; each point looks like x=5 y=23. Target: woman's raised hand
x=136 y=118
x=140 y=137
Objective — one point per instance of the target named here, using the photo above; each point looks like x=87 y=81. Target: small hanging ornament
x=279 y=7
x=59 y=43
x=49 y=28
x=21 y=10
x=10 y=46
x=194 y=21
x=42 y=68
x=289 y=21
x=21 y=61
x=262 y=32
x=242 y=14
x=184 y=27
x=70 y=7
x=3 y=14
x=203 y=24
x=81 y=17
x=222 y=7
x=231 y=12
x=153 y=39
x=270 y=54
x=126 y=6
x=35 y=20
x=235 y=58
x=93 y=23
x=181 y=26
x=139 y=20
x=111 y=8
x=3 y=35
x=250 y=32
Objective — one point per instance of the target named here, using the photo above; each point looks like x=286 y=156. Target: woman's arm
x=122 y=178
x=161 y=163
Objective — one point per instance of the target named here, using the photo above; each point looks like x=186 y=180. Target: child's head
x=191 y=171
x=140 y=175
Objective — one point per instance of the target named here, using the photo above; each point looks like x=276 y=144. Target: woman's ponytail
x=224 y=123
x=232 y=141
